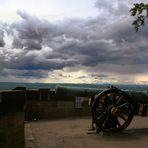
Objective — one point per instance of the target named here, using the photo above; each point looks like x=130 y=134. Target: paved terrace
x=72 y=133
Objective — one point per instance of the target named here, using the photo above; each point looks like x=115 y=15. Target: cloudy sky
x=71 y=41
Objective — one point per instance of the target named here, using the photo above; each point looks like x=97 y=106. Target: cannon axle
x=115 y=111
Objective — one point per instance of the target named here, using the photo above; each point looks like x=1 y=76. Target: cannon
x=112 y=109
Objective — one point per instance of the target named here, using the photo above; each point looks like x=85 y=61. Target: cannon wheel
x=112 y=111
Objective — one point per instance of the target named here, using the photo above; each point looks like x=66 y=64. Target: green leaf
x=137 y=10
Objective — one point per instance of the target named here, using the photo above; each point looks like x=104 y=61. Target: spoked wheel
x=112 y=111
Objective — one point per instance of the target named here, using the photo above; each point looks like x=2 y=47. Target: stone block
x=12 y=101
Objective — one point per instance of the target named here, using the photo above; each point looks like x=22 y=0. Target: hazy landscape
x=10 y=85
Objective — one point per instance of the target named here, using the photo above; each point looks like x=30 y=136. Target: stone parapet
x=12 y=119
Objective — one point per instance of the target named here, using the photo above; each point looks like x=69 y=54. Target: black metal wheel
x=112 y=111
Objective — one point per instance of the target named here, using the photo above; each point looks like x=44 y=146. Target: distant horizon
x=75 y=83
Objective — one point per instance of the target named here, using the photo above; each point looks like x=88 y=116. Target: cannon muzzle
x=135 y=96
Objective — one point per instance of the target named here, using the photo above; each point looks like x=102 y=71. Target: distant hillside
x=10 y=85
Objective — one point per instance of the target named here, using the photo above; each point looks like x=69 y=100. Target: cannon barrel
x=138 y=96
x=77 y=91
x=135 y=96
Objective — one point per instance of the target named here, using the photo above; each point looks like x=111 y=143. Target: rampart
x=12 y=119
x=20 y=104
x=44 y=104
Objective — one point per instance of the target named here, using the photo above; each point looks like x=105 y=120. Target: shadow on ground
x=127 y=134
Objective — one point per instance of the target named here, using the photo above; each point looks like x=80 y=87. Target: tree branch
x=138 y=11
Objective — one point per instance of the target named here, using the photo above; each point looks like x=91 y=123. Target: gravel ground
x=73 y=133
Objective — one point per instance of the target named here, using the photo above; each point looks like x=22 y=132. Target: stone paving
x=29 y=139
x=72 y=133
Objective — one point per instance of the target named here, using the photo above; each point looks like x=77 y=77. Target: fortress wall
x=19 y=105
x=53 y=106
x=12 y=119
x=44 y=104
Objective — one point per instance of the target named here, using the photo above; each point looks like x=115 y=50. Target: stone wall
x=12 y=130
x=44 y=104
x=21 y=104
x=12 y=119
x=43 y=107
x=43 y=110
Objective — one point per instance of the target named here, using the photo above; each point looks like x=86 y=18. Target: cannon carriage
x=112 y=109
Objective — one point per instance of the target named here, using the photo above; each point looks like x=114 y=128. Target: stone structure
x=12 y=119
x=21 y=104
x=42 y=104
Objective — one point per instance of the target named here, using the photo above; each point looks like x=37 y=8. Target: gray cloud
x=101 y=76
x=2 y=43
x=113 y=10
x=96 y=44
x=23 y=73
x=29 y=32
x=97 y=77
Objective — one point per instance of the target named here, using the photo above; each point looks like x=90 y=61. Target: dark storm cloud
x=30 y=32
x=23 y=73
x=101 y=76
x=88 y=53
x=67 y=39
x=95 y=76
x=33 y=33
x=33 y=74
x=110 y=51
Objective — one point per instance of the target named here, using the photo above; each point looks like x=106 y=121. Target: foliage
x=140 y=10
